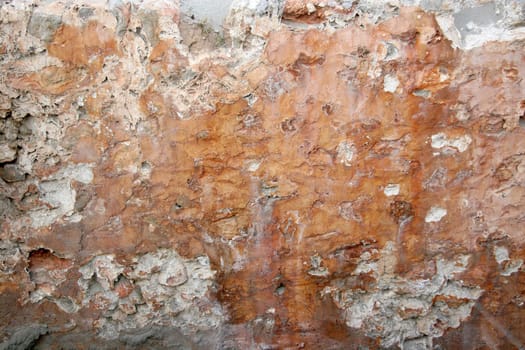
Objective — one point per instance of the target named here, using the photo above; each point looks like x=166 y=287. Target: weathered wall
x=338 y=174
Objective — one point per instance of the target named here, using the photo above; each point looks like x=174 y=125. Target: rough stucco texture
x=333 y=175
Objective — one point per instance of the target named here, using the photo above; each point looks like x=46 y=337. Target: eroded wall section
x=315 y=174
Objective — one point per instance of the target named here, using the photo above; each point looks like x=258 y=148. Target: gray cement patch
x=211 y=12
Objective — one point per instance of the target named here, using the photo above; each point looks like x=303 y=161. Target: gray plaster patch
x=469 y=19
x=43 y=26
x=85 y=12
x=467 y=23
x=163 y=290
x=58 y=193
x=210 y=12
x=405 y=312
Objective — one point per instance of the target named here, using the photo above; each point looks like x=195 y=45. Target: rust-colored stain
x=343 y=151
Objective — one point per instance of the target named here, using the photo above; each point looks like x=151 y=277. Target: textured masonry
x=309 y=174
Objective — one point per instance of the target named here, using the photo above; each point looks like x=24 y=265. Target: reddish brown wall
x=333 y=179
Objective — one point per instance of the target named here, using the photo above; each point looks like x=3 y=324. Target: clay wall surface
x=257 y=174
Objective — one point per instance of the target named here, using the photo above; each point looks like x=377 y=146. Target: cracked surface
x=314 y=174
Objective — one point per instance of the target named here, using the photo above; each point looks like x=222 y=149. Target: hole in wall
x=280 y=289
x=522 y=116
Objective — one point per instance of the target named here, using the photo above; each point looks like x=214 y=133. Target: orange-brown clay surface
x=346 y=188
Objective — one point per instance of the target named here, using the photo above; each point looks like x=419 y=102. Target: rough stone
x=43 y=26
x=262 y=174
x=7 y=154
x=25 y=338
x=12 y=173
